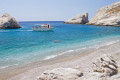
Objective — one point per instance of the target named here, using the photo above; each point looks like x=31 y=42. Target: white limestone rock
x=61 y=74
x=96 y=76
x=6 y=21
x=104 y=68
x=79 y=19
x=105 y=64
x=107 y=16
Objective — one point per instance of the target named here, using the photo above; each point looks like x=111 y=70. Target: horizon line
x=28 y=21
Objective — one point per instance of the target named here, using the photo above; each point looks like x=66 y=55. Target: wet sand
x=77 y=59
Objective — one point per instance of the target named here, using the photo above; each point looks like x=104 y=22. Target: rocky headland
x=79 y=19
x=107 y=16
x=7 y=21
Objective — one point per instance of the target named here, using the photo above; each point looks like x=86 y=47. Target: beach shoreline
x=33 y=70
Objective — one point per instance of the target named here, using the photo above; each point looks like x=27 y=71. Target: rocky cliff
x=107 y=16
x=6 y=21
x=79 y=19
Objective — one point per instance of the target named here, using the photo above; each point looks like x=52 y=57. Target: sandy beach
x=80 y=60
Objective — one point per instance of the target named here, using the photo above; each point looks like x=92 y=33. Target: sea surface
x=22 y=46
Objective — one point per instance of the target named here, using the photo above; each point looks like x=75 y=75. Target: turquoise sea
x=21 y=46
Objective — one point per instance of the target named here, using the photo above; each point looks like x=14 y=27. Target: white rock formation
x=107 y=16
x=6 y=21
x=79 y=19
x=95 y=76
x=105 y=64
x=61 y=74
x=104 y=68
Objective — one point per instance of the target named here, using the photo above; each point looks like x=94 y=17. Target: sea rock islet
x=7 y=21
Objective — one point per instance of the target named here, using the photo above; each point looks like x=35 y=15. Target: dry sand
x=81 y=60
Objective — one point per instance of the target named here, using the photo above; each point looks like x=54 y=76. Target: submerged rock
x=6 y=21
x=57 y=41
x=79 y=19
x=61 y=74
x=107 y=16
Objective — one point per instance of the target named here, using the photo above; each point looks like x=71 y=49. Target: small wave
x=29 y=30
x=3 y=67
x=50 y=57
x=68 y=51
x=53 y=56
x=108 y=43
x=81 y=48
x=23 y=30
x=14 y=30
x=5 y=31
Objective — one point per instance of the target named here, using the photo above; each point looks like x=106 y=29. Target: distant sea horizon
x=22 y=46
x=41 y=21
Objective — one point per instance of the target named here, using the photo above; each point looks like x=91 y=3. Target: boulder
x=104 y=68
x=61 y=74
x=107 y=16
x=105 y=64
x=96 y=76
x=6 y=21
x=79 y=19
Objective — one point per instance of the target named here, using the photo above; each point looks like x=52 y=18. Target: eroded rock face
x=6 y=21
x=105 y=64
x=79 y=19
x=104 y=68
x=61 y=74
x=107 y=16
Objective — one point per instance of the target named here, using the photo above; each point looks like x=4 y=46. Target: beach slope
x=82 y=62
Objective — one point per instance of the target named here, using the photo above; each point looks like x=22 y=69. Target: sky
x=50 y=10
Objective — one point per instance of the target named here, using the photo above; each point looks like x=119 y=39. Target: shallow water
x=19 y=46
